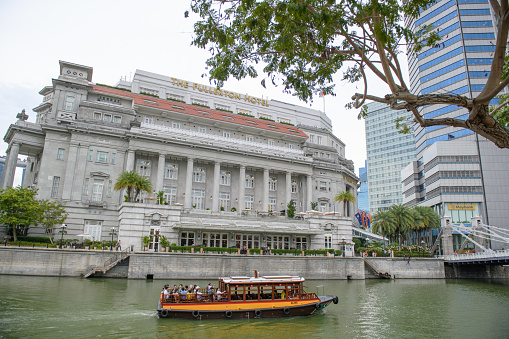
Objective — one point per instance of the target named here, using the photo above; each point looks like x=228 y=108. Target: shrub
x=35 y=239
x=149 y=94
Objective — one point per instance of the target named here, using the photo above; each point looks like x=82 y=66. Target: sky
x=118 y=37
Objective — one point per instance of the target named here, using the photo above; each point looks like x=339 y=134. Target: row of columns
x=10 y=165
x=216 y=178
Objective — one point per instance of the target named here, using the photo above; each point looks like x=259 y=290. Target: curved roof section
x=149 y=101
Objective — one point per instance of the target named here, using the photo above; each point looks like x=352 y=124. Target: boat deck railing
x=213 y=297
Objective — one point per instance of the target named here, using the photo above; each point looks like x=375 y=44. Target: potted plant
x=233 y=209
x=164 y=242
x=146 y=241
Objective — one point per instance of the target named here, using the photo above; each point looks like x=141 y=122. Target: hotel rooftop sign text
x=219 y=92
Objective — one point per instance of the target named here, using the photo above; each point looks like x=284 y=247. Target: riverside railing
x=479 y=255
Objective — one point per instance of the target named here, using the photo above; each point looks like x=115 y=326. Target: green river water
x=45 y=307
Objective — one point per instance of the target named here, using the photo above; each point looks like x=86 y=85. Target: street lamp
x=422 y=244
x=63 y=227
x=112 y=233
x=344 y=247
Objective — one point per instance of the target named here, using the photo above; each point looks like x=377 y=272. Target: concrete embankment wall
x=74 y=263
x=478 y=271
x=50 y=262
x=415 y=268
x=210 y=266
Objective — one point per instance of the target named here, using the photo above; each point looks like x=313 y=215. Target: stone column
x=70 y=172
x=10 y=165
x=130 y=160
x=447 y=242
x=160 y=173
x=309 y=192
x=242 y=187
x=265 y=201
x=189 y=183
x=215 y=187
x=288 y=191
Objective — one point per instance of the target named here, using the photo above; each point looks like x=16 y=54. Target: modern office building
x=455 y=169
x=21 y=164
x=387 y=153
x=362 y=193
x=227 y=163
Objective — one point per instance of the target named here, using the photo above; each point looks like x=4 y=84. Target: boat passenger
x=175 y=290
x=183 y=293
x=209 y=289
x=198 y=293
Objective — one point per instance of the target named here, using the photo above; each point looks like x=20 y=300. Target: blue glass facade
x=362 y=193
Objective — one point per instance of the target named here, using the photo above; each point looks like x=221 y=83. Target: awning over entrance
x=366 y=234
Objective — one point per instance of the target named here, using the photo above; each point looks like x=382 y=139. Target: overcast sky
x=118 y=37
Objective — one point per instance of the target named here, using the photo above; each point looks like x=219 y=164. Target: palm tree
x=403 y=220
x=383 y=223
x=345 y=197
x=142 y=184
x=132 y=181
x=430 y=218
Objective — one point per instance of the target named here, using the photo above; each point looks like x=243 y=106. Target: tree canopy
x=132 y=182
x=19 y=209
x=304 y=43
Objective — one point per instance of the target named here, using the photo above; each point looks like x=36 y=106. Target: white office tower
x=454 y=167
x=387 y=153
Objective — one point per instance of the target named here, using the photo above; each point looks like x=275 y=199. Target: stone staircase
x=109 y=264
x=375 y=272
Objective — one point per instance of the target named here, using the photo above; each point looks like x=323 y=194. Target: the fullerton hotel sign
x=219 y=92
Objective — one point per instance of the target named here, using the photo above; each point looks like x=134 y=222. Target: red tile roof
x=149 y=101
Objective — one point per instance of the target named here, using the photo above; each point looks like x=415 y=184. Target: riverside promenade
x=162 y=265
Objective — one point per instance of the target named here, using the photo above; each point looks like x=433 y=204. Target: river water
x=44 y=307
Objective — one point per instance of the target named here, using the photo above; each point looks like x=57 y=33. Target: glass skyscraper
x=457 y=173
x=458 y=64
x=387 y=153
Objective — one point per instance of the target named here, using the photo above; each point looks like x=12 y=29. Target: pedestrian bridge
x=487 y=257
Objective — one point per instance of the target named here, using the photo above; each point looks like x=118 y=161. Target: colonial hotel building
x=228 y=163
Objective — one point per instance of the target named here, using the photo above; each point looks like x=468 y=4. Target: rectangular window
x=85 y=187
x=148 y=120
x=272 y=184
x=225 y=177
x=170 y=195
x=101 y=157
x=323 y=186
x=248 y=202
x=60 y=154
x=243 y=111
x=69 y=103
x=226 y=134
x=224 y=200
x=272 y=204
x=110 y=186
x=175 y=124
x=97 y=190
x=171 y=171
x=107 y=117
x=143 y=167
x=285 y=121
x=187 y=239
x=202 y=129
x=198 y=199
x=54 y=187
x=328 y=241
x=113 y=156
x=301 y=243
x=249 y=138
x=117 y=119
x=222 y=107
x=249 y=181
x=98 y=116
x=318 y=140
x=265 y=116
x=294 y=186
x=312 y=138
x=90 y=155
x=291 y=146
x=270 y=142
x=199 y=102
x=93 y=227
x=199 y=174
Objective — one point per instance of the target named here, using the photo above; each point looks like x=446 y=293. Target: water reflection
x=63 y=307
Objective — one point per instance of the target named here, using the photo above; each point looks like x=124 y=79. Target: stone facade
x=215 y=154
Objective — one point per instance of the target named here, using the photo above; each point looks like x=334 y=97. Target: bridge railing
x=480 y=255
